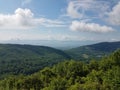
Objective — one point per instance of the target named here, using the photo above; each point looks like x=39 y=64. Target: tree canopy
x=71 y=75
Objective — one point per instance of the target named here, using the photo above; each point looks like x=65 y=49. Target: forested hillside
x=93 y=51
x=71 y=75
x=27 y=59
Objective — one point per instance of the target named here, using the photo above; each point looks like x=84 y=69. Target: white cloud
x=24 y=19
x=72 y=11
x=114 y=15
x=80 y=8
x=49 y=23
x=90 y=27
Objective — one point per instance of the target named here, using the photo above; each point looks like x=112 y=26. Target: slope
x=93 y=51
x=27 y=59
x=71 y=75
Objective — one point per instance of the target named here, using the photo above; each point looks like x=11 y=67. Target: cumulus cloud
x=114 y=15
x=80 y=8
x=90 y=27
x=24 y=19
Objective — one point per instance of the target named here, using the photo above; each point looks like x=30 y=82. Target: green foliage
x=27 y=59
x=70 y=75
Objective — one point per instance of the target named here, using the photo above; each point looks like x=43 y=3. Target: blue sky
x=81 y=20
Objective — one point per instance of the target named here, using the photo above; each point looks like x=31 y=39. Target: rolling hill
x=93 y=51
x=27 y=59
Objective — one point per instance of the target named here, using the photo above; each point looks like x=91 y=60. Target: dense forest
x=27 y=59
x=101 y=74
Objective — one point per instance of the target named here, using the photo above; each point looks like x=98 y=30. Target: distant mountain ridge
x=105 y=46
x=93 y=51
x=59 y=44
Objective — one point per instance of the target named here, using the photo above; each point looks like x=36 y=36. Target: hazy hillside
x=93 y=51
x=59 y=44
x=27 y=59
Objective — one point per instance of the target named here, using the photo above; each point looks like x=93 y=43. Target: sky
x=76 y=20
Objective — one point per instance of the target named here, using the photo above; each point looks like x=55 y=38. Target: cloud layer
x=24 y=19
x=80 y=8
x=94 y=10
x=20 y=19
x=89 y=27
x=114 y=15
